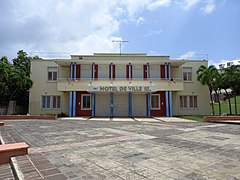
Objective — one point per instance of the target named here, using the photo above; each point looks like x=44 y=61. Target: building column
x=130 y=104
x=170 y=104
x=170 y=93
x=74 y=92
x=111 y=105
x=148 y=71
x=93 y=70
x=70 y=93
x=111 y=71
x=70 y=103
x=148 y=104
x=74 y=104
x=166 y=74
x=167 y=107
x=93 y=104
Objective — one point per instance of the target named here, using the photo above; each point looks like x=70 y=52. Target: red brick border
x=23 y=117
x=221 y=118
x=9 y=150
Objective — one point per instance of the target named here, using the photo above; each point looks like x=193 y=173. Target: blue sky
x=180 y=28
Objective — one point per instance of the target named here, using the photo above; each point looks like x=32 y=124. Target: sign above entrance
x=120 y=89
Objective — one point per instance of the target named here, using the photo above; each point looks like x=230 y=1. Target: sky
x=194 y=29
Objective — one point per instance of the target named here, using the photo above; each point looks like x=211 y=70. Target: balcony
x=120 y=84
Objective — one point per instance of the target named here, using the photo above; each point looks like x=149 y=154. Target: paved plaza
x=138 y=149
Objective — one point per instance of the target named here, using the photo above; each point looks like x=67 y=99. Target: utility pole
x=120 y=43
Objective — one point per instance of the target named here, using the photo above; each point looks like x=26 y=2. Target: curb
x=16 y=170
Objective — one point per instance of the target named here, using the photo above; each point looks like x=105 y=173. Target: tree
x=217 y=87
x=234 y=80
x=22 y=63
x=207 y=76
x=5 y=70
x=226 y=79
x=15 y=79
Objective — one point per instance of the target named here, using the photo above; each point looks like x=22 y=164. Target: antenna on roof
x=120 y=43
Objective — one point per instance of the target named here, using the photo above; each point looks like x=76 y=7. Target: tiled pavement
x=6 y=172
x=129 y=150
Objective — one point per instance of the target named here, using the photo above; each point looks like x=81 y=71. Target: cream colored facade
x=117 y=85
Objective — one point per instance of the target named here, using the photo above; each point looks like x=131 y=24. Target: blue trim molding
x=170 y=104
x=111 y=105
x=70 y=104
x=93 y=104
x=167 y=107
x=148 y=104
x=130 y=104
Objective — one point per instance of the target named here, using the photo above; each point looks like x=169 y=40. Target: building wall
x=190 y=89
x=42 y=87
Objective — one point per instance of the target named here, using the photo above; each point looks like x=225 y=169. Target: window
x=187 y=74
x=188 y=102
x=155 y=101
x=51 y=102
x=86 y=101
x=46 y=101
x=56 y=101
x=229 y=64
x=183 y=101
x=193 y=101
x=52 y=73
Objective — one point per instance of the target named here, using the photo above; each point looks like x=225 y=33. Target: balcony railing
x=89 y=84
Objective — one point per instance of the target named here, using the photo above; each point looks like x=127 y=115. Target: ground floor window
x=51 y=102
x=188 y=101
x=183 y=101
x=56 y=101
x=86 y=102
x=155 y=101
x=193 y=101
x=46 y=102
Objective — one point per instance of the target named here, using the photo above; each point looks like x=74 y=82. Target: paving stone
x=128 y=150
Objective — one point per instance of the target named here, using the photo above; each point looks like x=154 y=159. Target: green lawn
x=225 y=106
x=195 y=118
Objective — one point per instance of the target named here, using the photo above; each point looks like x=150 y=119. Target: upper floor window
x=52 y=73
x=187 y=74
x=229 y=64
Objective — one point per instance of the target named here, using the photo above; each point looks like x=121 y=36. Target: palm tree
x=217 y=87
x=207 y=76
x=226 y=84
x=235 y=82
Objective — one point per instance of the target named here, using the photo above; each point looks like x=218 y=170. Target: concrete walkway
x=126 y=119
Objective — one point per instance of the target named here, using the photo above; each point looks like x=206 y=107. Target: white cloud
x=187 y=55
x=187 y=4
x=209 y=8
x=206 y=6
x=153 y=33
x=140 y=20
x=158 y=3
x=74 y=26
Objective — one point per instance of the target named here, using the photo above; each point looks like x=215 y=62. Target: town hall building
x=117 y=85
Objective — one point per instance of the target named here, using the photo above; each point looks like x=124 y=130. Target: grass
x=194 y=118
x=225 y=106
